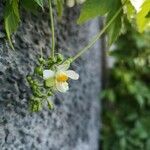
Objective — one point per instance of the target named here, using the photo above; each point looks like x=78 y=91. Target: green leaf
x=94 y=8
x=129 y=10
x=140 y=100
x=29 y=4
x=39 y=2
x=147 y=144
x=123 y=143
x=60 y=8
x=16 y=8
x=142 y=19
x=114 y=29
x=11 y=19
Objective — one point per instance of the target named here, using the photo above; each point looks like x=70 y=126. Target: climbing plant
x=138 y=13
x=52 y=74
x=126 y=98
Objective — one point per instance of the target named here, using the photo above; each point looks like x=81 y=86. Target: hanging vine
x=52 y=73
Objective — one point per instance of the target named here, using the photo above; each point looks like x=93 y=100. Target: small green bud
x=37 y=93
x=29 y=78
x=39 y=71
x=35 y=104
x=51 y=61
x=35 y=82
x=54 y=59
x=60 y=57
x=49 y=93
x=34 y=87
x=31 y=82
x=41 y=60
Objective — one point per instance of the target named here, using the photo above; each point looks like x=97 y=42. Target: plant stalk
x=95 y=38
x=52 y=28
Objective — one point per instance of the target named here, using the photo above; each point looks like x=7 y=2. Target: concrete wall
x=74 y=124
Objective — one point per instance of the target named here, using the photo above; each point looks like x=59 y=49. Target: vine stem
x=52 y=28
x=96 y=37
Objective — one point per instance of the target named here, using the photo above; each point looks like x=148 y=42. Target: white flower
x=71 y=3
x=60 y=76
x=137 y=4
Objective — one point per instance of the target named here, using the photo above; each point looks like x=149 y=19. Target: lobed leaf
x=94 y=8
x=11 y=19
x=60 y=8
x=39 y=2
x=114 y=29
x=143 y=19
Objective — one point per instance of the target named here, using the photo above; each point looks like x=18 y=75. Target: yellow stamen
x=62 y=77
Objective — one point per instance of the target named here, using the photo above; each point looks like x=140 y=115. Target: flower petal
x=62 y=86
x=63 y=67
x=72 y=74
x=48 y=74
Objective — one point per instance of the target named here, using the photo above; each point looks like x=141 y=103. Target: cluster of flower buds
x=71 y=3
x=49 y=77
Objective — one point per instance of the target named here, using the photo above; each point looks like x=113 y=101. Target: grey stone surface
x=74 y=124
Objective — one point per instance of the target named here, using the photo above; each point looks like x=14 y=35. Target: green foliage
x=29 y=5
x=59 y=4
x=126 y=100
x=129 y=10
x=12 y=15
x=39 y=2
x=94 y=8
x=12 y=18
x=115 y=28
x=42 y=91
x=90 y=10
x=143 y=19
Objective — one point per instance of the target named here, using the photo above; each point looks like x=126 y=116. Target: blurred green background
x=126 y=98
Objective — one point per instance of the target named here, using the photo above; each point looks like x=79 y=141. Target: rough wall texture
x=74 y=124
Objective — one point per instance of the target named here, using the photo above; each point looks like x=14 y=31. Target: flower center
x=62 y=77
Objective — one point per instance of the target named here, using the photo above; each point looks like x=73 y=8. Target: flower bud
x=29 y=78
x=38 y=70
x=60 y=57
x=41 y=60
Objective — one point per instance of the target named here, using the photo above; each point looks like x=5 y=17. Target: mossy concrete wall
x=74 y=123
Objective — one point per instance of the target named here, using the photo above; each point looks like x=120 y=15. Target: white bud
x=70 y=3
